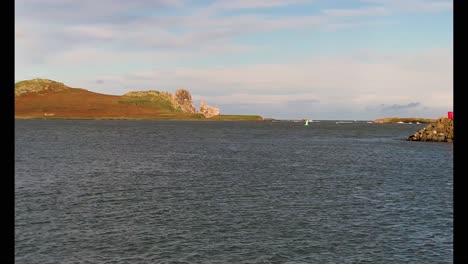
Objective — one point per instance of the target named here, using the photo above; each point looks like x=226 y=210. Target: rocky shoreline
x=439 y=131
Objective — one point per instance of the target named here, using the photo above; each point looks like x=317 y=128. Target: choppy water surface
x=230 y=192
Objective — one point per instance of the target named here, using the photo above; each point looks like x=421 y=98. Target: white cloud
x=44 y=29
x=357 y=12
x=245 y=4
x=87 y=11
x=415 y=5
x=424 y=77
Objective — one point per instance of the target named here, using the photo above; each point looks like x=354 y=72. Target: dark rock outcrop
x=439 y=131
x=208 y=111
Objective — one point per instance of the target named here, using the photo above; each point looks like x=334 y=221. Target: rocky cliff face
x=38 y=86
x=183 y=99
x=439 y=131
x=208 y=111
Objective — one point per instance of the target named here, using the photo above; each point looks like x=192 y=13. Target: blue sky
x=287 y=59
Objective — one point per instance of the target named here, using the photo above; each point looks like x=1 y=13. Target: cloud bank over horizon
x=357 y=59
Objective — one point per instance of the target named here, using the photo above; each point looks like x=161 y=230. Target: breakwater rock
x=439 y=131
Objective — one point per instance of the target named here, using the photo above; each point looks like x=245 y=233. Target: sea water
x=115 y=191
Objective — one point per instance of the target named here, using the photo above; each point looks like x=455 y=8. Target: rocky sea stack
x=439 y=131
x=208 y=111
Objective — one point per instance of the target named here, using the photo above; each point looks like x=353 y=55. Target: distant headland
x=43 y=98
x=403 y=120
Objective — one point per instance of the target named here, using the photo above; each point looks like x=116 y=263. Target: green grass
x=236 y=118
x=158 y=102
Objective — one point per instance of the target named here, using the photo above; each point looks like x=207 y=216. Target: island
x=48 y=99
x=403 y=120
